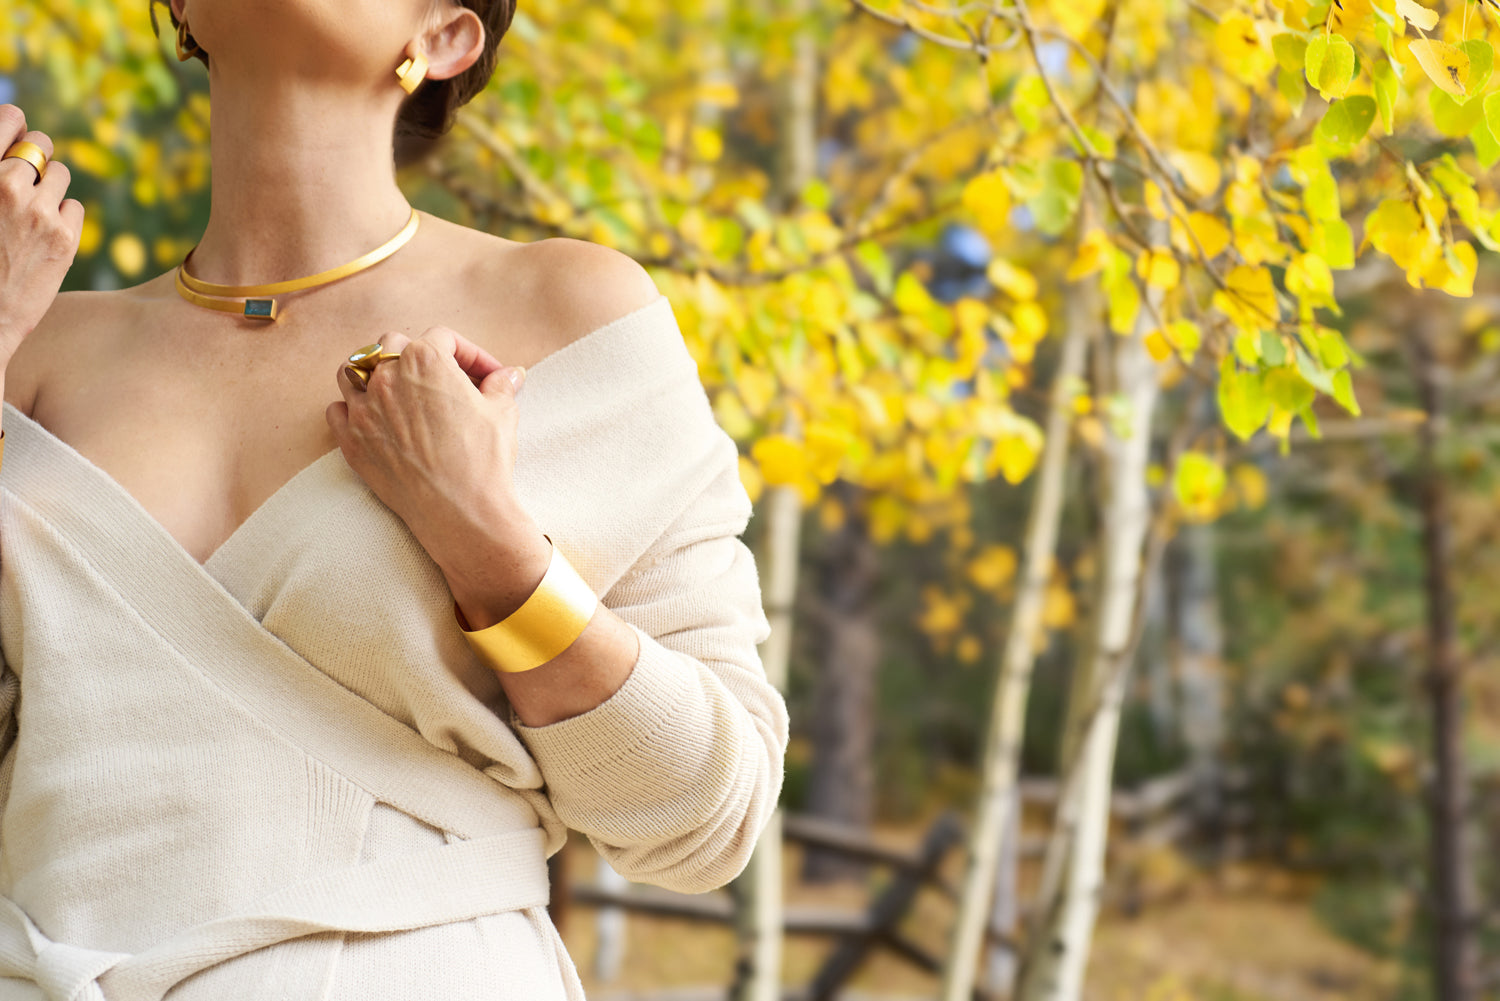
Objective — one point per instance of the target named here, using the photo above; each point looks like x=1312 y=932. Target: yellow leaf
x=1013 y=281
x=1031 y=322
x=827 y=444
x=1251 y=299
x=128 y=253
x=831 y=514
x=911 y=296
x=1417 y=14
x=1458 y=283
x=1058 y=609
x=1158 y=346
x=1015 y=455
x=1446 y=65
x=707 y=143
x=783 y=463
x=1159 y=267
x=751 y=478
x=757 y=387
x=1155 y=201
x=1250 y=484
x=1090 y=255
x=993 y=568
x=92 y=234
x=719 y=93
x=969 y=648
x=987 y=198
x=1212 y=234
x=1200 y=172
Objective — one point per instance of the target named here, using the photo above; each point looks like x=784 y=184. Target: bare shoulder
x=581 y=286
x=63 y=332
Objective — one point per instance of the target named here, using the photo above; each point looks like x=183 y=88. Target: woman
x=313 y=654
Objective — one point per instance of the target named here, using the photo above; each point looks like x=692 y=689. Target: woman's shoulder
x=63 y=332
x=574 y=286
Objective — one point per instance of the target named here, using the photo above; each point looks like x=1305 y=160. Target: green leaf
x=1486 y=147
x=1481 y=63
x=1054 y=205
x=1452 y=117
x=1288 y=390
x=1387 y=86
x=1321 y=196
x=1293 y=88
x=1329 y=63
x=1271 y=348
x=1346 y=122
x=1343 y=392
x=1028 y=100
x=1333 y=240
x=1492 y=113
x=1247 y=349
x=1198 y=480
x=1312 y=372
x=1291 y=51
x=1242 y=400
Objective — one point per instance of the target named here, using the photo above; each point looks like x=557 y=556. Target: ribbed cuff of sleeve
x=641 y=712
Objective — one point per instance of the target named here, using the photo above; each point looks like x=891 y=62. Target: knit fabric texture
x=282 y=773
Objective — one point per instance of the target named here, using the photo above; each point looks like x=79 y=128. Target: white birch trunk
x=760 y=920
x=609 y=952
x=1007 y=721
x=1200 y=651
x=1057 y=955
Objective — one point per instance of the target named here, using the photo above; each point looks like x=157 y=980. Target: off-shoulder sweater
x=282 y=773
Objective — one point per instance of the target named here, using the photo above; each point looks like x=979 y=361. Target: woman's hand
x=434 y=437
x=39 y=233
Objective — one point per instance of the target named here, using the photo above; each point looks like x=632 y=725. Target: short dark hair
x=427 y=114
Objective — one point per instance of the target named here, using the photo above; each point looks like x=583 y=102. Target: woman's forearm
x=492 y=579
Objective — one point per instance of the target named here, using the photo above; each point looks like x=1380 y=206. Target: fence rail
x=1163 y=811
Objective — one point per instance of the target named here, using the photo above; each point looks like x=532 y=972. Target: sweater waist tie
x=441 y=884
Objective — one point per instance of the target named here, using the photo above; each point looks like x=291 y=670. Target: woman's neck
x=303 y=180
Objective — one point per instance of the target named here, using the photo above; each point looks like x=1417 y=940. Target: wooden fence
x=1164 y=811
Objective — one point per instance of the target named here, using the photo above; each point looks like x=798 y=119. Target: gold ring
x=364 y=361
x=32 y=154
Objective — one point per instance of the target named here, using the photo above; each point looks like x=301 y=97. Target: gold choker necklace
x=265 y=309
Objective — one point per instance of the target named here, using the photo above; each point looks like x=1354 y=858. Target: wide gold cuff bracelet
x=547 y=624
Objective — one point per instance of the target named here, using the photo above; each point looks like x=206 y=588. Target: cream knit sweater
x=282 y=774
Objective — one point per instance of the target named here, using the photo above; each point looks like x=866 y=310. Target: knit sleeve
x=675 y=775
x=10 y=688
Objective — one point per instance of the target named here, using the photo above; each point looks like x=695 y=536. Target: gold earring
x=412 y=71
x=187 y=46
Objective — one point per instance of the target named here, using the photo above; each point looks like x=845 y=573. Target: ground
x=1245 y=933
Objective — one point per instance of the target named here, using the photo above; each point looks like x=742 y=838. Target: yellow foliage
x=942 y=613
x=1251 y=300
x=986 y=197
x=993 y=568
x=969 y=649
x=751 y=478
x=1446 y=65
x=784 y=462
x=1200 y=172
x=1213 y=236
x=1015 y=282
x=1091 y=255
x=128 y=254
x=1246 y=53
x=1250 y=485
x=1159 y=267
x=1059 y=610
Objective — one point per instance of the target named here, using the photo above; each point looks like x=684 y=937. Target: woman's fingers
x=473 y=360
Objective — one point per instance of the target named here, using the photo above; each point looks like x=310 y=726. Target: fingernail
x=517 y=376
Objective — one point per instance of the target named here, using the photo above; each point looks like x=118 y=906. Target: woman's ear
x=453 y=44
